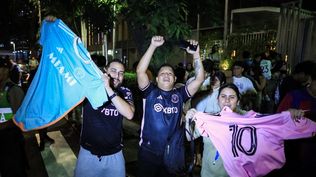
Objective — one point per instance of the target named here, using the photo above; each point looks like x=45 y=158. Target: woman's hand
x=297 y=114
x=190 y=115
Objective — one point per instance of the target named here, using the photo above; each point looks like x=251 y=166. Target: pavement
x=59 y=159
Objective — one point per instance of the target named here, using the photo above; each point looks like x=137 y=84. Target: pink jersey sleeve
x=251 y=146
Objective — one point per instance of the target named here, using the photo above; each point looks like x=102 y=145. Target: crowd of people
x=255 y=85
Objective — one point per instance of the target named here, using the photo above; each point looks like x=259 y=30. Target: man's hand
x=297 y=114
x=106 y=78
x=157 y=41
x=195 y=43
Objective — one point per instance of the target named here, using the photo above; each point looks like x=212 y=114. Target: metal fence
x=254 y=42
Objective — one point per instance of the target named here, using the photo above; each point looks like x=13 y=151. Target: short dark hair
x=208 y=65
x=165 y=65
x=239 y=63
x=231 y=86
x=115 y=60
x=221 y=77
x=305 y=67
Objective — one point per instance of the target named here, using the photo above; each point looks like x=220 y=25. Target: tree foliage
x=211 y=13
x=16 y=24
x=100 y=13
x=63 y=9
x=146 y=18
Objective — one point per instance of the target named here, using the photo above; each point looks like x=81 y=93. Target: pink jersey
x=252 y=146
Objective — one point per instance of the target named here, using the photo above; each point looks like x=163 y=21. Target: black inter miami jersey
x=102 y=128
x=162 y=113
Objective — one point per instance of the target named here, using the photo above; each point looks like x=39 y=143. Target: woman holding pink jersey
x=235 y=128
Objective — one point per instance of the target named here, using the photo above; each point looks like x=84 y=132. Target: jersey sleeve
x=290 y=129
x=185 y=93
x=145 y=91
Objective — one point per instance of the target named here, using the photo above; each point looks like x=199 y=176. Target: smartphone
x=183 y=44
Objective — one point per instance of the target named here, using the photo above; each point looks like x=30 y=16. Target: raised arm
x=143 y=64
x=194 y=85
x=124 y=107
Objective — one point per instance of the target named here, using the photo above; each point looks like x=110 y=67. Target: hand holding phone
x=183 y=44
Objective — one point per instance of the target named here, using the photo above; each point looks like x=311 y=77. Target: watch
x=112 y=96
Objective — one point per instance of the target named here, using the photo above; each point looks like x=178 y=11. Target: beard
x=112 y=84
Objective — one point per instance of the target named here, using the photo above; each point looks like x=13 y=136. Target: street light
x=13 y=44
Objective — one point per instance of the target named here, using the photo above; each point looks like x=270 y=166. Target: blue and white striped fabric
x=66 y=75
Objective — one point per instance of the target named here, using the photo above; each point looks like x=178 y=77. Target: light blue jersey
x=65 y=76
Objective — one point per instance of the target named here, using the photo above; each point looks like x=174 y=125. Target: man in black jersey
x=101 y=135
x=162 y=108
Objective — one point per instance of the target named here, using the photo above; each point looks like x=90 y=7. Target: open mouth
x=166 y=80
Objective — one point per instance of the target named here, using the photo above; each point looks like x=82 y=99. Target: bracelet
x=112 y=96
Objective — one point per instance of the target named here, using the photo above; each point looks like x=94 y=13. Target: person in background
x=189 y=69
x=33 y=63
x=44 y=139
x=209 y=104
x=266 y=66
x=15 y=71
x=208 y=66
x=215 y=55
x=301 y=153
x=163 y=105
x=101 y=135
x=259 y=81
x=203 y=91
x=13 y=161
x=298 y=79
x=248 y=61
x=181 y=75
x=243 y=83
